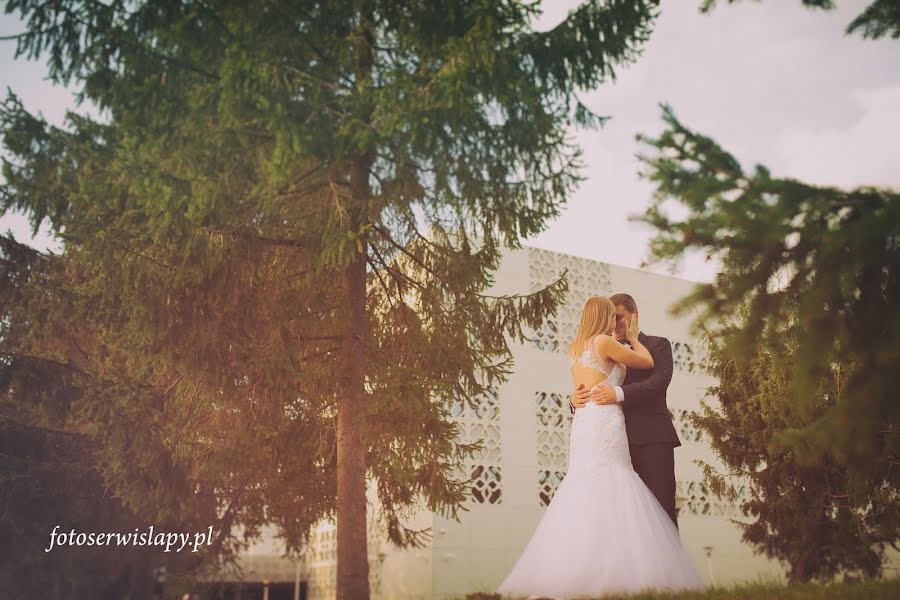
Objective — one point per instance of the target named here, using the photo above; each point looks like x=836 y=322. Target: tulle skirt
x=603 y=532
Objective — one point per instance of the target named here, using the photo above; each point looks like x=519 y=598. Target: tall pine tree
x=803 y=513
x=820 y=264
x=278 y=237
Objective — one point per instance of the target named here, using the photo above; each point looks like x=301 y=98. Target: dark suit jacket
x=647 y=418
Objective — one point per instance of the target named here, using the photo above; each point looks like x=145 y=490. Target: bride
x=604 y=531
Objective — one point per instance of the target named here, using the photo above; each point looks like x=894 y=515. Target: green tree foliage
x=50 y=484
x=881 y=18
x=804 y=514
x=278 y=238
x=818 y=263
x=91 y=476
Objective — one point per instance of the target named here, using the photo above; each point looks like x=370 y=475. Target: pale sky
x=773 y=82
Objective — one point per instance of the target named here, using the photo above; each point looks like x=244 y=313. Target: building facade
x=524 y=425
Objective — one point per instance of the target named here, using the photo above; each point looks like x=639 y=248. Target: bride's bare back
x=582 y=375
x=590 y=369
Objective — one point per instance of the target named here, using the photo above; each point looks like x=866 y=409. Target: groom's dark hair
x=624 y=300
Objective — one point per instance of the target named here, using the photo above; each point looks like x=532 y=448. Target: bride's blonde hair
x=598 y=316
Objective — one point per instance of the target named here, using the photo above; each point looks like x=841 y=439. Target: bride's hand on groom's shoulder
x=580 y=396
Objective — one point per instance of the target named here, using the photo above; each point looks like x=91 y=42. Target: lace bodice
x=598 y=437
x=592 y=360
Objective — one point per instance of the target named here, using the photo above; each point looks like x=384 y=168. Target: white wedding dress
x=604 y=530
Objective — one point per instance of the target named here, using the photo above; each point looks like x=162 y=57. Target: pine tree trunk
x=352 y=549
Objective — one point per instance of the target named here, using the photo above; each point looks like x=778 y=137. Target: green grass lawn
x=887 y=589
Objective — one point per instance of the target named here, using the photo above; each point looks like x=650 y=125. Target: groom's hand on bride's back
x=603 y=394
x=580 y=396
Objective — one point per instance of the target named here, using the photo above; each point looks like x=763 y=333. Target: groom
x=651 y=435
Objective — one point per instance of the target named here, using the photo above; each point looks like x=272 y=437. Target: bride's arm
x=637 y=358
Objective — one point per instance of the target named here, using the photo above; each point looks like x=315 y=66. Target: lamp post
x=380 y=556
x=297 y=579
x=707 y=550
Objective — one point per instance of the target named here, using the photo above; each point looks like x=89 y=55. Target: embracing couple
x=611 y=526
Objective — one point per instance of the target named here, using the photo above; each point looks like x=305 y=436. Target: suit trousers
x=655 y=465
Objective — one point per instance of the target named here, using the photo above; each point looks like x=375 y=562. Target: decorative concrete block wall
x=525 y=427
